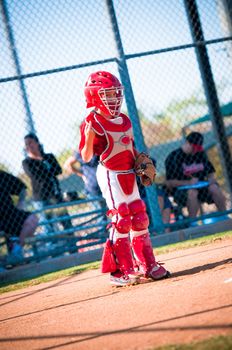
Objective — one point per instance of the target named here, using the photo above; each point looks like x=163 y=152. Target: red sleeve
x=99 y=141
x=82 y=139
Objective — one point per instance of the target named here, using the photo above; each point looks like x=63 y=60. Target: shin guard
x=122 y=251
x=143 y=251
x=146 y=260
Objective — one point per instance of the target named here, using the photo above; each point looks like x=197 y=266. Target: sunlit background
x=54 y=45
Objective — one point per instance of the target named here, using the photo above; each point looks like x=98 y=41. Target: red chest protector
x=119 y=152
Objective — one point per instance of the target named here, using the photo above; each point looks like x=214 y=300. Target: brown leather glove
x=145 y=169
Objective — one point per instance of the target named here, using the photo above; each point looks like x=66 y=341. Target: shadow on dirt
x=201 y=268
x=143 y=328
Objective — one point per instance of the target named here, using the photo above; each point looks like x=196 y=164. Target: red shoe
x=158 y=272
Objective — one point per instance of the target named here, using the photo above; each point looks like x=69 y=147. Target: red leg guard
x=137 y=206
x=143 y=251
x=108 y=258
x=141 y=242
x=123 y=225
x=140 y=220
x=122 y=250
x=123 y=220
x=121 y=247
x=123 y=209
x=144 y=254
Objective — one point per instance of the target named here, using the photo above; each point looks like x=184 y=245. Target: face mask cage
x=112 y=99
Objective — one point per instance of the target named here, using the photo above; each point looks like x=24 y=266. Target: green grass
x=194 y=242
x=214 y=343
x=8 y=287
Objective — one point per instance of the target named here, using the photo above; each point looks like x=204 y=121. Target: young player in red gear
x=108 y=133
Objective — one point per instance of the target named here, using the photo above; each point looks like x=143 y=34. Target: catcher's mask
x=104 y=91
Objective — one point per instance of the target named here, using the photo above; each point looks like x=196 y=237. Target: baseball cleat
x=119 y=279
x=158 y=272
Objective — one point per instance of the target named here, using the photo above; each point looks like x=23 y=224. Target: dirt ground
x=84 y=312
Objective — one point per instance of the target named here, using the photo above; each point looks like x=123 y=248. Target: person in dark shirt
x=189 y=165
x=16 y=223
x=42 y=169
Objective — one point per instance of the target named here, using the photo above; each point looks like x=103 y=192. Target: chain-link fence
x=174 y=58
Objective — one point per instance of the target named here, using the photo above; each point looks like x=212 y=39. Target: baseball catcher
x=108 y=133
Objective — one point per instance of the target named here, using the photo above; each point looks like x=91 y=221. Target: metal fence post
x=10 y=36
x=210 y=88
x=151 y=193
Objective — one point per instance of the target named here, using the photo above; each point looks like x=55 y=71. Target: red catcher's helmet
x=104 y=91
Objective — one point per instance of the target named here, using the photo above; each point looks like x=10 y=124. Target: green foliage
x=142 y=116
x=180 y=111
x=180 y=107
x=167 y=126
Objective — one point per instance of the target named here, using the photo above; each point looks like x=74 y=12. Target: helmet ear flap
x=89 y=97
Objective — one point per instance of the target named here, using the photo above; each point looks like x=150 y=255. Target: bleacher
x=88 y=231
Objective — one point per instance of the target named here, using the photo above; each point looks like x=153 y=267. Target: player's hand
x=89 y=132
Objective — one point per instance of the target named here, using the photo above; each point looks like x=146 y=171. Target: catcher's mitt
x=145 y=169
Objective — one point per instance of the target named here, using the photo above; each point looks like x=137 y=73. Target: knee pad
x=123 y=224
x=137 y=206
x=140 y=220
x=123 y=209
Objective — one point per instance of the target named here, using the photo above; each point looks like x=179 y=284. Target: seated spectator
x=16 y=223
x=42 y=169
x=87 y=171
x=188 y=165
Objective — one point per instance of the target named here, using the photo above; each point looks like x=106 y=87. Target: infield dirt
x=84 y=312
